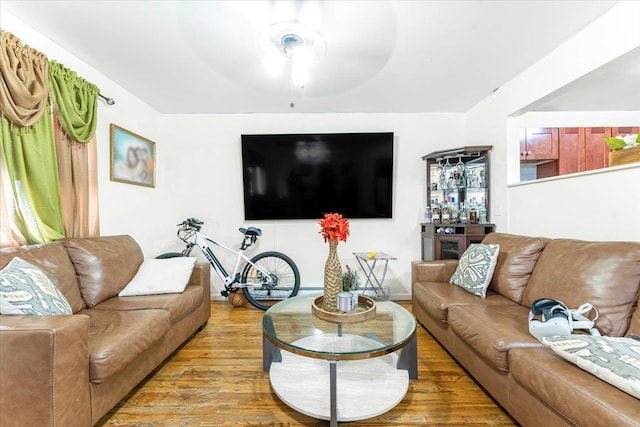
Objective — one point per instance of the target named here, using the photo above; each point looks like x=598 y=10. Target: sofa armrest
x=44 y=371
x=433 y=271
x=201 y=276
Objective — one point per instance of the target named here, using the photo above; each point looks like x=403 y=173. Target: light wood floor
x=216 y=379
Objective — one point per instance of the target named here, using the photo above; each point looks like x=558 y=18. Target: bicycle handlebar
x=191 y=223
x=188 y=227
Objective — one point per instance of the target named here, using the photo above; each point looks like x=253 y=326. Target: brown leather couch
x=71 y=370
x=490 y=337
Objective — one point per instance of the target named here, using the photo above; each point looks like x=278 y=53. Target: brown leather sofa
x=490 y=337
x=71 y=370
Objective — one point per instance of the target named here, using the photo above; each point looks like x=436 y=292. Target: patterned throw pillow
x=615 y=360
x=25 y=289
x=475 y=268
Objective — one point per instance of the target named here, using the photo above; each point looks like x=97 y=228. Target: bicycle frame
x=201 y=240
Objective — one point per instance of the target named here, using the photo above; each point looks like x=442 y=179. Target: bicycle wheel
x=261 y=292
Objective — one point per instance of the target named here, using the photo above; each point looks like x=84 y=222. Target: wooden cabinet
x=539 y=144
x=449 y=247
x=583 y=149
x=596 y=150
x=451 y=242
x=624 y=131
x=579 y=149
x=571 y=150
x=458 y=178
x=428 y=242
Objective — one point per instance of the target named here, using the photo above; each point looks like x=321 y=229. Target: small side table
x=368 y=266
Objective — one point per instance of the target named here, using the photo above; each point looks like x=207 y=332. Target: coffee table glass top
x=290 y=325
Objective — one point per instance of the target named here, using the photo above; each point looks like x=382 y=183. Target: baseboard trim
x=394 y=296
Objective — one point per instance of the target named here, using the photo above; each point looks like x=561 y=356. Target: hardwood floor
x=216 y=379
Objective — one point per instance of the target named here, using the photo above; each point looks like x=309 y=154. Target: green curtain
x=30 y=158
x=75 y=101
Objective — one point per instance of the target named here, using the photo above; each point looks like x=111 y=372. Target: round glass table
x=377 y=357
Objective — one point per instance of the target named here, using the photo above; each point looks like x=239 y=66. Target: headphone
x=558 y=319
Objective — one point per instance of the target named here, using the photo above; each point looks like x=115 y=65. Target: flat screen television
x=304 y=176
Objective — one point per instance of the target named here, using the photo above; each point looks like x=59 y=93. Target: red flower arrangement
x=334 y=227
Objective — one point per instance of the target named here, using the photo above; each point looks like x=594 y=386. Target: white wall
x=207 y=184
x=600 y=205
x=199 y=174
x=124 y=209
x=198 y=164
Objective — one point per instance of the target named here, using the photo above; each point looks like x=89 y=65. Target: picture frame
x=133 y=158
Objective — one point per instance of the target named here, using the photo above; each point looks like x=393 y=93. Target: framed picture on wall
x=133 y=158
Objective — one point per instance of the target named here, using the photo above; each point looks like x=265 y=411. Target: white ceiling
x=381 y=56
x=613 y=87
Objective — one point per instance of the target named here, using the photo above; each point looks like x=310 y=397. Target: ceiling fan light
x=274 y=64
x=299 y=75
x=302 y=56
x=296 y=46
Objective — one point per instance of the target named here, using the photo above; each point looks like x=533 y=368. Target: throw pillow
x=615 y=360
x=25 y=289
x=475 y=268
x=160 y=276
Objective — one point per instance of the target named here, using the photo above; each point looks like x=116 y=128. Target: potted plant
x=624 y=149
x=351 y=283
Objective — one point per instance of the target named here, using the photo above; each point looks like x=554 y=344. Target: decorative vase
x=332 y=278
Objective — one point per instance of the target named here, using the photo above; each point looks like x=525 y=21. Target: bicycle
x=267 y=277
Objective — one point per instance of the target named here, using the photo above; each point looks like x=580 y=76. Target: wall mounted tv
x=303 y=176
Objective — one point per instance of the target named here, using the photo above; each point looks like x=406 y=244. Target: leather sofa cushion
x=634 y=326
x=491 y=331
x=579 y=396
x=433 y=271
x=178 y=305
x=517 y=258
x=605 y=274
x=53 y=260
x=104 y=265
x=116 y=338
x=436 y=298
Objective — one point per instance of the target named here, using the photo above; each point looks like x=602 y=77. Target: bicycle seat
x=251 y=231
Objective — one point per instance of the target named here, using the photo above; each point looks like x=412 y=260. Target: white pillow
x=475 y=268
x=160 y=276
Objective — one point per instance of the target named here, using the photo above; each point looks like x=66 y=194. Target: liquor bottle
x=473 y=212
x=427 y=215
x=446 y=214
x=435 y=214
x=482 y=182
x=463 y=214
x=455 y=213
x=482 y=213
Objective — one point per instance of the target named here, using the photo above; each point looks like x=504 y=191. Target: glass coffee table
x=377 y=358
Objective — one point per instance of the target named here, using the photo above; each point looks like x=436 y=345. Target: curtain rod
x=109 y=101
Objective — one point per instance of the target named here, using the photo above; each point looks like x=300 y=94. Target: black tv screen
x=304 y=176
